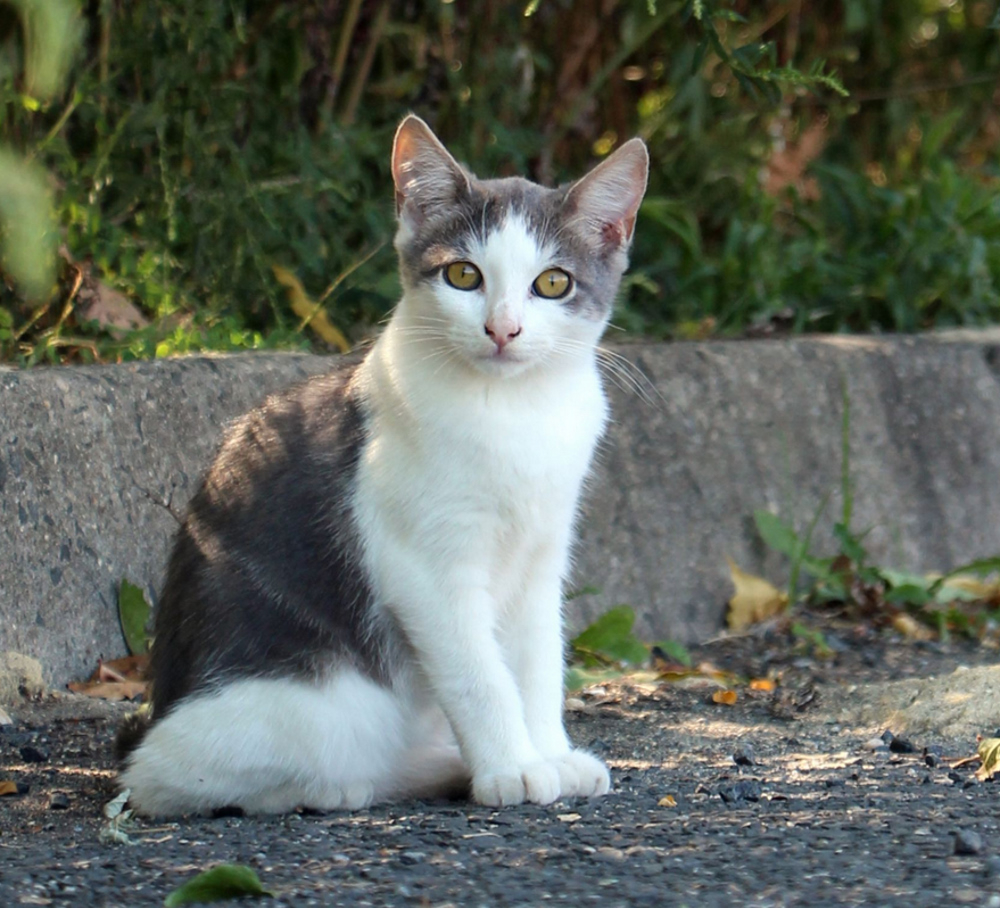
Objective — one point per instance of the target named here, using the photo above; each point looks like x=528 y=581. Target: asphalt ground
x=818 y=814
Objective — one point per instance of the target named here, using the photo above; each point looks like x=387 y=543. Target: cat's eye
x=553 y=284
x=463 y=276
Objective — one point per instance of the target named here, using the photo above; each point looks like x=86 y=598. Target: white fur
x=466 y=502
x=466 y=496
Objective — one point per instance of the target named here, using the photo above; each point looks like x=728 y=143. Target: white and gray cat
x=364 y=601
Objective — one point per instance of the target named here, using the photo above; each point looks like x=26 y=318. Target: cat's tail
x=131 y=733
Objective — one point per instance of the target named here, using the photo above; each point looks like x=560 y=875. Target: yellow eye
x=553 y=284
x=463 y=276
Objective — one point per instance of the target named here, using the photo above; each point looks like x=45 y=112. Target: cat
x=364 y=601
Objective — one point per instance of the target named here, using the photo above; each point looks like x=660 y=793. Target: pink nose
x=502 y=332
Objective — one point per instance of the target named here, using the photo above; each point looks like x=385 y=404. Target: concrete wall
x=97 y=463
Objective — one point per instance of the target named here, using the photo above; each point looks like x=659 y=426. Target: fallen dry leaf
x=989 y=754
x=790 y=159
x=308 y=311
x=909 y=627
x=97 y=302
x=987 y=590
x=8 y=788
x=755 y=599
x=128 y=668
x=725 y=697
x=109 y=690
x=761 y=684
x=667 y=801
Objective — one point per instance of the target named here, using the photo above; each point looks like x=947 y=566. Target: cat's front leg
x=450 y=624
x=536 y=651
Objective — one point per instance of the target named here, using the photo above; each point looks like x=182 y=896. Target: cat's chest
x=494 y=453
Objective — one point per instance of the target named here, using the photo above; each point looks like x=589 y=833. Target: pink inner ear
x=611 y=234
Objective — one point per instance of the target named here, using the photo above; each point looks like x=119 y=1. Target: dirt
x=820 y=812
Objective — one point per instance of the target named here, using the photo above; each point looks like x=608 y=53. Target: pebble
x=743 y=755
x=902 y=746
x=59 y=800
x=31 y=754
x=746 y=790
x=967 y=841
x=412 y=857
x=5 y=718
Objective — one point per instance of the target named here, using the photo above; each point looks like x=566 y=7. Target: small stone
x=412 y=857
x=31 y=754
x=967 y=841
x=875 y=744
x=887 y=737
x=743 y=755
x=59 y=800
x=901 y=746
x=931 y=759
x=745 y=790
x=992 y=867
x=5 y=718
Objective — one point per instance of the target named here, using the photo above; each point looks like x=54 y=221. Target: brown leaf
x=761 y=684
x=725 y=697
x=128 y=668
x=109 y=690
x=789 y=161
x=989 y=754
x=667 y=801
x=908 y=626
x=311 y=313
x=755 y=599
x=7 y=788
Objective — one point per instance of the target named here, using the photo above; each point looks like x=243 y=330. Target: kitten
x=364 y=600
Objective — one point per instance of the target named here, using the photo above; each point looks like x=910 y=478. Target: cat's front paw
x=537 y=782
x=581 y=775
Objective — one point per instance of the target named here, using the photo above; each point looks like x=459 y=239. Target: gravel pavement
x=768 y=802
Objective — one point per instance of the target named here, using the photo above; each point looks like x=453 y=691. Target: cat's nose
x=502 y=331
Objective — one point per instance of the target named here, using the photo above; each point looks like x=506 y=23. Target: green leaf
x=227 y=881
x=777 y=534
x=980 y=567
x=676 y=651
x=133 y=612
x=850 y=545
x=611 y=636
x=577 y=678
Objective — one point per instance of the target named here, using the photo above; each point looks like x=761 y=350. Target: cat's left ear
x=425 y=174
x=607 y=199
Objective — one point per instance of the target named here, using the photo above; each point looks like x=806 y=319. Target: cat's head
x=506 y=274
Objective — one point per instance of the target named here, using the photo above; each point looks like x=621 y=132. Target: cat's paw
x=581 y=775
x=353 y=796
x=537 y=782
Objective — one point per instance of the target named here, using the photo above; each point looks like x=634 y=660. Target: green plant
x=850 y=577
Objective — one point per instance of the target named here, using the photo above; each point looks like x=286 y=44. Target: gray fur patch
x=448 y=234
x=265 y=579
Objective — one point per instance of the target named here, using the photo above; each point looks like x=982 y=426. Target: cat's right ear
x=425 y=174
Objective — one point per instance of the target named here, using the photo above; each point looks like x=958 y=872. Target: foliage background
x=223 y=167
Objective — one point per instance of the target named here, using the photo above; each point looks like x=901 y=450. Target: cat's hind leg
x=272 y=745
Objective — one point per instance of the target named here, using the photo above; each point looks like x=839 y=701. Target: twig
x=361 y=76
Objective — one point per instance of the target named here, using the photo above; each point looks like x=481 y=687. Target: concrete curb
x=97 y=463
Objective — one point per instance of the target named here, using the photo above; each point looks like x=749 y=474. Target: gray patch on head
x=450 y=232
